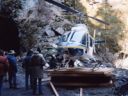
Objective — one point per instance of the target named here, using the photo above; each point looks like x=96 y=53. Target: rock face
x=36 y=20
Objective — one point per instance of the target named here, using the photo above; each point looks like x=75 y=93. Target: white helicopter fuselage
x=78 y=42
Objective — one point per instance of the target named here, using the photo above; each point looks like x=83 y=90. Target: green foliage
x=70 y=3
x=80 y=7
x=71 y=17
x=113 y=31
x=112 y=43
x=110 y=33
x=75 y=4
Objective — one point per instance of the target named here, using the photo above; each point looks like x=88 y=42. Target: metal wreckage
x=78 y=45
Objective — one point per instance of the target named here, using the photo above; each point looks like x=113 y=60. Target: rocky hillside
x=36 y=19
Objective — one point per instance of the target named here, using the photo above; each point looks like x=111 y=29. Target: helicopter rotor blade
x=67 y=8
x=98 y=20
x=62 y=6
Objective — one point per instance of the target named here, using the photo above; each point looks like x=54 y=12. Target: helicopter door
x=90 y=46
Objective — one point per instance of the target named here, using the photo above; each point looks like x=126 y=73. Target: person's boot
x=15 y=86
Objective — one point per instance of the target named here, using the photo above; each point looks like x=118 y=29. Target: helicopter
x=78 y=43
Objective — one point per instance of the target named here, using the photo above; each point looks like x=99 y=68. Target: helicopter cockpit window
x=64 y=37
x=84 y=40
x=72 y=36
x=76 y=37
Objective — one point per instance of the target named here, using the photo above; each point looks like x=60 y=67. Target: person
x=25 y=65
x=36 y=71
x=52 y=61
x=3 y=67
x=59 y=60
x=12 y=69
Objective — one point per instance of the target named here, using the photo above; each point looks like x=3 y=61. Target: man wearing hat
x=12 y=69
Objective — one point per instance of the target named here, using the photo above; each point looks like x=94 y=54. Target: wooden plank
x=79 y=69
x=79 y=74
x=54 y=89
x=82 y=80
x=83 y=84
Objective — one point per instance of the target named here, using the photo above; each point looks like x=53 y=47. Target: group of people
x=33 y=64
x=8 y=67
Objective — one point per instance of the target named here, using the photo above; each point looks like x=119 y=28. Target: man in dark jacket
x=37 y=63
x=3 y=67
x=25 y=65
x=12 y=69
